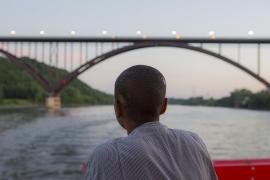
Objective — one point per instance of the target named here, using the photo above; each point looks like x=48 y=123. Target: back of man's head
x=143 y=91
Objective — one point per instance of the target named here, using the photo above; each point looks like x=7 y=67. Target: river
x=36 y=144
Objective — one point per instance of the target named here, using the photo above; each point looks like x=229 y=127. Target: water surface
x=35 y=144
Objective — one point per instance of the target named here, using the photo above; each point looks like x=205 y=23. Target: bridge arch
x=141 y=45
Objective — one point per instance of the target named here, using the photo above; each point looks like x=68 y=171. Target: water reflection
x=35 y=144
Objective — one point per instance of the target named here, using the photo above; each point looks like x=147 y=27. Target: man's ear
x=119 y=109
x=163 y=106
x=119 y=105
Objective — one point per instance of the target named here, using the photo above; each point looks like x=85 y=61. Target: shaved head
x=143 y=90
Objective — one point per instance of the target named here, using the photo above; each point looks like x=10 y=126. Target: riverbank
x=238 y=99
x=15 y=102
x=22 y=103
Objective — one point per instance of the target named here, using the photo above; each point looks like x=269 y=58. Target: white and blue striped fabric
x=152 y=152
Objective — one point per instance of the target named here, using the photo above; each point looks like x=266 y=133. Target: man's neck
x=133 y=125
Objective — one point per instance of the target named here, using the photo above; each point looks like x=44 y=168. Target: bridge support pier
x=53 y=102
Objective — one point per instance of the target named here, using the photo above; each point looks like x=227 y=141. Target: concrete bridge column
x=53 y=102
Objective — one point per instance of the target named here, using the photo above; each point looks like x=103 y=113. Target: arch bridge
x=75 y=55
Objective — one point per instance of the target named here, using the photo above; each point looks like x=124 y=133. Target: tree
x=260 y=100
x=241 y=98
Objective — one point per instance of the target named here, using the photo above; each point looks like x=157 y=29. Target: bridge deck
x=132 y=39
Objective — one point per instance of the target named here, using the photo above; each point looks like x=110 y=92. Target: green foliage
x=1 y=92
x=194 y=101
x=225 y=102
x=241 y=98
x=17 y=87
x=21 y=102
x=260 y=100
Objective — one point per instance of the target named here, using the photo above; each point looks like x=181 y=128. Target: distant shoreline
x=35 y=105
x=239 y=99
x=9 y=103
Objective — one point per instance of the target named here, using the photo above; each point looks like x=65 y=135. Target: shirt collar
x=144 y=126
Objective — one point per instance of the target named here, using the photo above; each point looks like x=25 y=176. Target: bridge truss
x=75 y=55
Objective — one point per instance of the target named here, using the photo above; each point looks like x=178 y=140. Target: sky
x=187 y=73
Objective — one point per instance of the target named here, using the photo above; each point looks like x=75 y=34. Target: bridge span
x=78 y=54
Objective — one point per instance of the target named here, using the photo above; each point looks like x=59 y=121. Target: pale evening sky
x=188 y=73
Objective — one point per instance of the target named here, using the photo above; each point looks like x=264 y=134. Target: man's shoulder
x=184 y=133
x=104 y=161
x=190 y=137
x=108 y=147
x=105 y=152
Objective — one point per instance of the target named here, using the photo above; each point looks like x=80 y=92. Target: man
x=151 y=150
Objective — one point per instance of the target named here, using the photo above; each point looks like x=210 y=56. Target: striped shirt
x=152 y=152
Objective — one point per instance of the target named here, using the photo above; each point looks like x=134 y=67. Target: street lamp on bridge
x=12 y=32
x=41 y=32
x=212 y=34
x=139 y=32
x=174 y=33
x=104 y=32
x=250 y=33
x=72 y=32
x=177 y=36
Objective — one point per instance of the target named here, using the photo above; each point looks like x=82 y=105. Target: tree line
x=240 y=98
